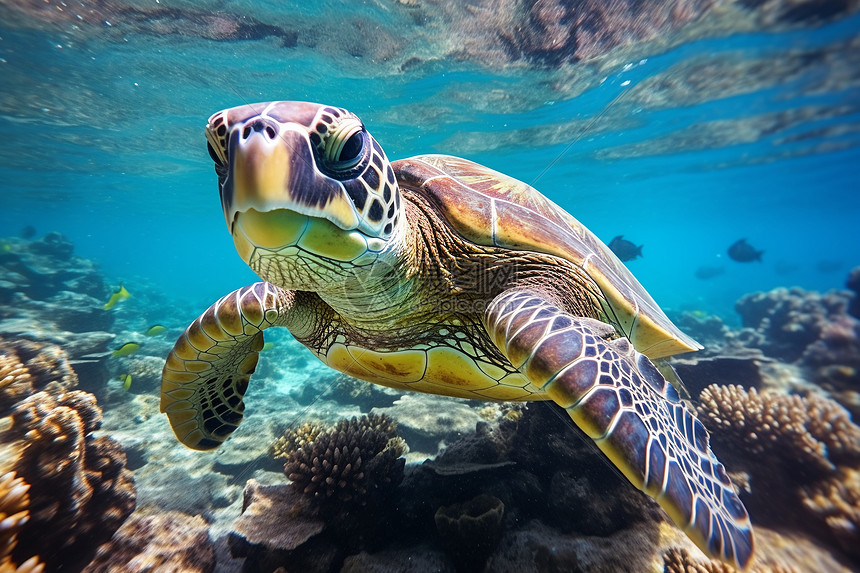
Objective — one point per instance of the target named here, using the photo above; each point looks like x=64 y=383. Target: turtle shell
x=492 y=209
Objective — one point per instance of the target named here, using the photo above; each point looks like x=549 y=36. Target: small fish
x=267 y=346
x=126 y=381
x=743 y=252
x=126 y=349
x=118 y=295
x=155 y=330
x=28 y=232
x=624 y=249
x=708 y=272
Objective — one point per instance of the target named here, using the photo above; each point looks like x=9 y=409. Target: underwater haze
x=683 y=144
x=683 y=126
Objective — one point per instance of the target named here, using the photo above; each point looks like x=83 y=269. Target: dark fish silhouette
x=624 y=249
x=743 y=252
x=783 y=268
x=28 y=232
x=708 y=272
x=828 y=266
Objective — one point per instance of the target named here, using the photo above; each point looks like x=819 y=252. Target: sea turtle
x=439 y=275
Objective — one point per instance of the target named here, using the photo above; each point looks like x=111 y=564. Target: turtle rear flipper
x=207 y=372
x=618 y=397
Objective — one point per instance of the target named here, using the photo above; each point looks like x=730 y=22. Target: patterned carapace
x=439 y=275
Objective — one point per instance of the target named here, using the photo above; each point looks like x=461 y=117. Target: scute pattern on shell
x=493 y=209
x=342 y=462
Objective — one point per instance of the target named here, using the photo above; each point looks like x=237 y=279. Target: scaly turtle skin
x=438 y=275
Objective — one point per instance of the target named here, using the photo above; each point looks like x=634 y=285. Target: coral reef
x=853 y=284
x=162 y=541
x=835 y=501
x=295 y=438
x=342 y=463
x=803 y=450
x=471 y=529
x=49 y=295
x=427 y=422
x=680 y=561
x=279 y=525
x=28 y=367
x=786 y=321
x=14 y=503
x=42 y=281
x=80 y=491
x=813 y=331
x=800 y=435
x=564 y=507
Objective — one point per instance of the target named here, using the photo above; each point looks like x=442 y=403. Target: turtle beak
x=259 y=165
x=272 y=167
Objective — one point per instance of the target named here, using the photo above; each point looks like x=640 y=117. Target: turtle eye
x=344 y=145
x=351 y=147
x=212 y=153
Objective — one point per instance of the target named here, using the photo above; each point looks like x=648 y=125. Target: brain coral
x=342 y=462
x=80 y=490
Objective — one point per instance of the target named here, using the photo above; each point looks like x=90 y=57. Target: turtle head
x=304 y=179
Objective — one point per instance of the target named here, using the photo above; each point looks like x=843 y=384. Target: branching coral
x=811 y=432
x=14 y=513
x=295 y=439
x=342 y=462
x=804 y=451
x=680 y=561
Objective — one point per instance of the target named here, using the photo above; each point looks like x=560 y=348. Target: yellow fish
x=126 y=381
x=118 y=295
x=155 y=330
x=126 y=349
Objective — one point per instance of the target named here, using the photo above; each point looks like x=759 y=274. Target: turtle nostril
x=259 y=126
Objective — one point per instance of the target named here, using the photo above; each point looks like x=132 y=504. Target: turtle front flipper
x=620 y=399
x=207 y=372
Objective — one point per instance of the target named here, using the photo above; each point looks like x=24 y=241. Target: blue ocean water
x=684 y=149
x=727 y=127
